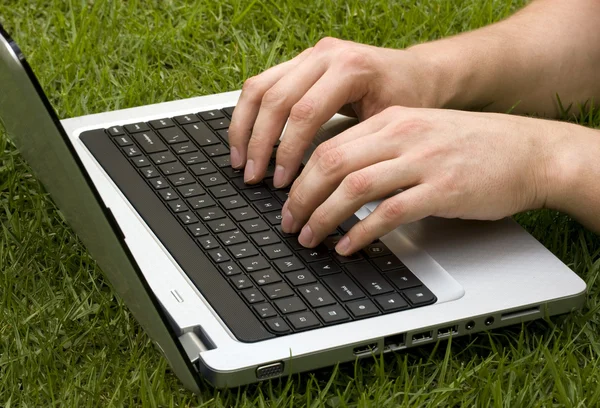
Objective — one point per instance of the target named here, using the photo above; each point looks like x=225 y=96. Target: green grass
x=67 y=340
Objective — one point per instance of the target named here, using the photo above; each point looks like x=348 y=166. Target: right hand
x=333 y=76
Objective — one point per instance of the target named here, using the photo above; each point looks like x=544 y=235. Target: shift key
x=150 y=142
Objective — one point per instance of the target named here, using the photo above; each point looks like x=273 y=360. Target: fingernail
x=279 y=176
x=343 y=246
x=249 y=172
x=287 y=221
x=236 y=160
x=306 y=236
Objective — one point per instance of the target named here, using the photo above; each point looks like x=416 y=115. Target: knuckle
x=297 y=200
x=257 y=142
x=326 y=43
x=320 y=219
x=273 y=99
x=331 y=161
x=354 y=59
x=322 y=149
x=286 y=150
x=251 y=85
x=412 y=126
x=303 y=111
x=357 y=184
x=392 y=210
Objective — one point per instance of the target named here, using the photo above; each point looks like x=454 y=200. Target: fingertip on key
x=279 y=176
x=236 y=159
x=249 y=172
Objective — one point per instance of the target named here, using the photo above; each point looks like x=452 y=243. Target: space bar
x=222 y=297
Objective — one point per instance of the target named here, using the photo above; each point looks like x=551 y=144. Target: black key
x=316 y=295
x=216 y=150
x=208 y=242
x=131 y=151
x=202 y=169
x=171 y=168
x=274 y=217
x=150 y=172
x=162 y=157
x=403 y=279
x=419 y=296
x=277 y=290
x=244 y=250
x=343 y=287
x=168 y=194
x=277 y=325
x=293 y=242
x=276 y=251
x=115 y=130
x=388 y=263
x=267 y=205
x=185 y=119
x=219 y=255
x=377 y=249
x=332 y=314
x=159 y=183
x=191 y=190
x=290 y=305
x=218 y=124
x=240 y=184
x=224 y=134
x=253 y=295
x=265 y=277
x=288 y=264
x=123 y=140
x=252 y=226
x=362 y=308
x=349 y=223
x=150 y=142
x=346 y=259
x=320 y=253
x=229 y=110
x=193 y=158
x=265 y=310
x=161 y=123
x=222 y=225
x=188 y=218
x=201 y=202
x=391 y=301
x=230 y=203
x=301 y=277
x=212 y=180
x=198 y=230
x=137 y=127
x=265 y=238
x=232 y=237
x=324 y=268
x=185 y=147
x=242 y=214
x=181 y=179
x=178 y=206
x=223 y=161
x=230 y=268
x=173 y=135
x=224 y=190
x=303 y=320
x=269 y=183
x=140 y=161
x=282 y=195
x=241 y=281
x=256 y=263
x=369 y=278
x=211 y=114
x=257 y=193
x=201 y=134
x=211 y=213
x=232 y=173
x=331 y=242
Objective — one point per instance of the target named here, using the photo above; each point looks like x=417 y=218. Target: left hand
x=450 y=164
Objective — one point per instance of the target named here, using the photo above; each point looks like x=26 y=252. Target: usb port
x=419 y=337
x=447 y=331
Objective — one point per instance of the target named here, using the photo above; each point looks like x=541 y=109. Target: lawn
x=66 y=340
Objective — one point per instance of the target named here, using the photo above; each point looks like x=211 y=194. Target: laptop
x=201 y=261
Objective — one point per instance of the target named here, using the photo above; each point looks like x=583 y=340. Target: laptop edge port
x=394 y=342
x=365 y=349
x=269 y=371
x=447 y=331
x=423 y=336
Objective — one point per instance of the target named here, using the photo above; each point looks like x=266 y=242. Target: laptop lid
x=35 y=129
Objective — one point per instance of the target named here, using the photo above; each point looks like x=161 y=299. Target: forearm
x=549 y=48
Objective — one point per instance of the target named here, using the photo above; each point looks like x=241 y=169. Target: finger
x=327 y=174
x=408 y=206
x=357 y=189
x=274 y=110
x=248 y=105
x=330 y=93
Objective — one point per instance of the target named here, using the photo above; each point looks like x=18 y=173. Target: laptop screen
x=33 y=126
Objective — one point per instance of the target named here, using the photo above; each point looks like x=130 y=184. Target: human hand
x=450 y=164
x=333 y=76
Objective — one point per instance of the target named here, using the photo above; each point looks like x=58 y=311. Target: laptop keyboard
x=289 y=288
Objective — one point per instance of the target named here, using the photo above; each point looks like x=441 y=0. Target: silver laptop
x=201 y=261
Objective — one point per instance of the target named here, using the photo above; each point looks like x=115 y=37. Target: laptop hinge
x=192 y=345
